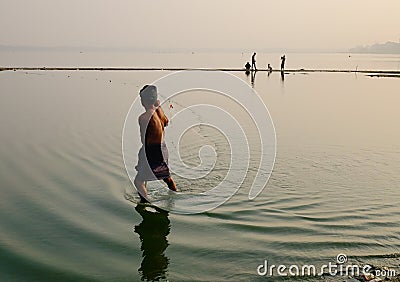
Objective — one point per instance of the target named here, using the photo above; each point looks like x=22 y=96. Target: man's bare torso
x=152 y=124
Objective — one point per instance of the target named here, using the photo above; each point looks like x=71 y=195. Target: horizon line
x=7 y=47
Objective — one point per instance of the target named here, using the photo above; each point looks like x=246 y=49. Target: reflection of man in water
x=153 y=156
x=153 y=231
x=283 y=59
x=253 y=62
x=253 y=78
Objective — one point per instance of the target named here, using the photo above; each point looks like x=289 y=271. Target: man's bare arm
x=142 y=125
x=162 y=116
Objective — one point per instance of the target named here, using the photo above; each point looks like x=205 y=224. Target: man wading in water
x=153 y=156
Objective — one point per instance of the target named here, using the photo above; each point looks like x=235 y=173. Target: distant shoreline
x=388 y=48
x=383 y=48
x=372 y=73
x=152 y=50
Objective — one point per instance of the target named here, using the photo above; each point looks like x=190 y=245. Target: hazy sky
x=255 y=24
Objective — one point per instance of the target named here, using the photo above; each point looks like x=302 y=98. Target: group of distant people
x=253 y=66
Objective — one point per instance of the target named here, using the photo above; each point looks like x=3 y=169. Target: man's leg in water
x=171 y=184
x=141 y=187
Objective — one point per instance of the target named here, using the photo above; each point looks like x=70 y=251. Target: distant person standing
x=283 y=59
x=253 y=62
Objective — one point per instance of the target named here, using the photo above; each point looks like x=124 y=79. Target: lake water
x=64 y=214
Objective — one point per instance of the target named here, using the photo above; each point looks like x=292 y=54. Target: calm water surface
x=63 y=208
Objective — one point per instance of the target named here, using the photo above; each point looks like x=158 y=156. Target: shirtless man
x=153 y=156
x=253 y=62
x=283 y=59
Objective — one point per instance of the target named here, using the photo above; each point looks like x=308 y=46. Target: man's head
x=148 y=94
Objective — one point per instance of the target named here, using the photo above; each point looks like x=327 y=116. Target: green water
x=64 y=213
